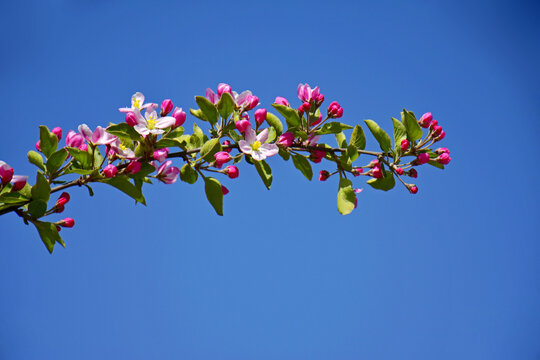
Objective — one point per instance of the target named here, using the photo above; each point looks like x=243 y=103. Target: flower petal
x=250 y=135
x=165 y=122
x=85 y=131
x=142 y=129
x=244 y=147
x=258 y=155
x=263 y=135
x=269 y=149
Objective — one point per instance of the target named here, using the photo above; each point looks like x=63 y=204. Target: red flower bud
x=399 y=171
x=63 y=199
x=58 y=132
x=131 y=119
x=227 y=142
x=133 y=167
x=110 y=170
x=425 y=120
x=404 y=145
x=232 y=171
x=422 y=158
x=260 y=116
x=323 y=175
x=224 y=190
x=413 y=173
x=412 y=189
x=376 y=172
x=67 y=222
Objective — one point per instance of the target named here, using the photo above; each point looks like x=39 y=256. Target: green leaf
x=123 y=130
x=380 y=135
x=284 y=154
x=345 y=197
x=164 y=143
x=358 y=138
x=56 y=160
x=400 y=133
x=341 y=140
x=352 y=152
x=36 y=159
x=209 y=110
x=197 y=139
x=265 y=172
x=209 y=148
x=123 y=184
x=302 y=164
x=271 y=134
x=98 y=158
x=385 y=183
x=41 y=189
x=274 y=122
x=48 y=234
x=436 y=164
x=13 y=198
x=175 y=134
x=47 y=141
x=414 y=131
x=290 y=115
x=225 y=105
x=214 y=194
x=83 y=157
x=188 y=174
x=332 y=128
x=37 y=208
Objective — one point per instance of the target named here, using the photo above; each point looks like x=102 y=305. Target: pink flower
x=232 y=171
x=404 y=145
x=376 y=172
x=133 y=167
x=313 y=123
x=161 y=154
x=63 y=199
x=166 y=107
x=254 y=145
x=335 y=110
x=306 y=94
x=251 y=102
x=223 y=88
x=151 y=124
x=242 y=125
x=6 y=172
x=58 y=132
x=211 y=96
x=180 y=117
x=437 y=130
x=121 y=150
x=306 y=106
x=241 y=99
x=286 y=140
x=221 y=158
x=137 y=103
x=425 y=120
x=224 y=190
x=443 y=150
x=98 y=137
x=227 y=143
x=168 y=174
x=441 y=136
x=260 y=116
x=67 y=222
x=19 y=181
x=373 y=163
x=324 y=175
x=356 y=191
x=444 y=159
x=74 y=139
x=38 y=146
x=413 y=173
x=281 y=101
x=422 y=158
x=357 y=171
x=317 y=155
x=110 y=171
x=399 y=171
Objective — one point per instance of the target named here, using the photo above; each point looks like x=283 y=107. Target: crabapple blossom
x=413 y=173
x=166 y=107
x=67 y=222
x=58 y=132
x=404 y=145
x=180 y=117
x=74 y=140
x=242 y=125
x=161 y=154
x=425 y=120
x=63 y=199
x=399 y=171
x=323 y=175
x=376 y=172
x=18 y=181
x=133 y=167
x=255 y=146
x=110 y=171
x=227 y=143
x=335 y=110
x=212 y=96
x=422 y=158
x=151 y=124
x=6 y=172
x=121 y=150
x=357 y=171
x=285 y=140
x=281 y=101
x=444 y=159
x=221 y=157
x=232 y=171
x=443 y=150
x=167 y=173
x=98 y=137
x=413 y=189
x=224 y=190
x=137 y=104
x=260 y=116
x=223 y=88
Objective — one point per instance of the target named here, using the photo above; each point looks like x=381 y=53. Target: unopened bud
x=413 y=173
x=224 y=190
x=323 y=175
x=422 y=158
x=425 y=120
x=412 y=188
x=63 y=199
x=232 y=171
x=67 y=222
x=260 y=116
x=242 y=125
x=221 y=158
x=58 y=132
x=133 y=167
x=376 y=172
x=404 y=145
x=110 y=171
x=166 y=107
x=227 y=142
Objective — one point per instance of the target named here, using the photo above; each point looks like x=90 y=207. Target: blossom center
x=151 y=123
x=122 y=147
x=256 y=145
x=136 y=103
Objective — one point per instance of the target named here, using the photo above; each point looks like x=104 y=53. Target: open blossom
x=18 y=181
x=161 y=154
x=121 y=150
x=152 y=124
x=281 y=101
x=6 y=172
x=167 y=173
x=254 y=145
x=212 y=96
x=137 y=104
x=306 y=94
x=98 y=137
x=74 y=139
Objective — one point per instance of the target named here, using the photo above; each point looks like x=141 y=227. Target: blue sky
x=452 y=272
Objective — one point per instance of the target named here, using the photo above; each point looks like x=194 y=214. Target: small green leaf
x=197 y=139
x=209 y=148
x=346 y=197
x=176 y=133
x=380 y=135
x=47 y=141
x=98 y=158
x=284 y=154
x=48 y=234
x=332 y=128
x=56 y=160
x=37 y=208
x=36 y=159
x=209 y=110
x=265 y=172
x=13 y=198
x=214 y=194
x=341 y=140
x=188 y=174
x=358 y=138
x=274 y=122
x=400 y=134
x=387 y=182
x=198 y=114
x=290 y=115
x=302 y=164
x=123 y=130
x=41 y=189
x=123 y=184
x=164 y=143
x=271 y=134
x=225 y=105
x=414 y=131
x=83 y=157
x=436 y=164
x=352 y=152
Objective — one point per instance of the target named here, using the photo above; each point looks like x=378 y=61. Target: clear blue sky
x=451 y=273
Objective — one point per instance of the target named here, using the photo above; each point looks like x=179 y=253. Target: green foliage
x=274 y=122
x=188 y=174
x=387 y=182
x=414 y=131
x=332 y=128
x=56 y=160
x=209 y=111
x=290 y=115
x=358 y=138
x=214 y=194
x=301 y=163
x=123 y=130
x=41 y=189
x=225 y=105
x=123 y=184
x=47 y=141
x=209 y=148
x=380 y=135
x=48 y=234
x=346 y=197
x=400 y=133
x=36 y=159
x=265 y=172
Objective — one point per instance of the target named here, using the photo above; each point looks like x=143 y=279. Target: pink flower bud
x=335 y=110
x=244 y=116
x=84 y=147
x=441 y=136
x=63 y=199
x=180 y=117
x=317 y=121
x=223 y=88
x=19 y=182
x=224 y=190
x=232 y=171
x=323 y=175
x=317 y=98
x=357 y=171
x=373 y=163
x=412 y=189
x=443 y=150
x=286 y=139
x=221 y=158
x=133 y=167
x=67 y=222
x=433 y=123
x=59 y=209
x=166 y=107
x=58 y=132
x=281 y=101
x=242 y=125
x=161 y=154
x=301 y=110
x=413 y=173
x=404 y=145
x=306 y=106
x=227 y=142
x=58 y=228
x=260 y=116
x=437 y=130
x=422 y=158
x=251 y=102
x=317 y=155
x=425 y=120
x=38 y=147
x=6 y=172
x=131 y=119
x=444 y=159
x=110 y=170
x=74 y=139
x=399 y=171
x=376 y=172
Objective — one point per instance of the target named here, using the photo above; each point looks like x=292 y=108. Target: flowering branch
x=137 y=151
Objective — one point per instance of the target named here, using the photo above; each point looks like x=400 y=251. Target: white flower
x=254 y=145
x=151 y=124
x=137 y=104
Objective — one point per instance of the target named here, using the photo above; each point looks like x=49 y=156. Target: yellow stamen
x=122 y=147
x=256 y=145
x=151 y=123
x=136 y=104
